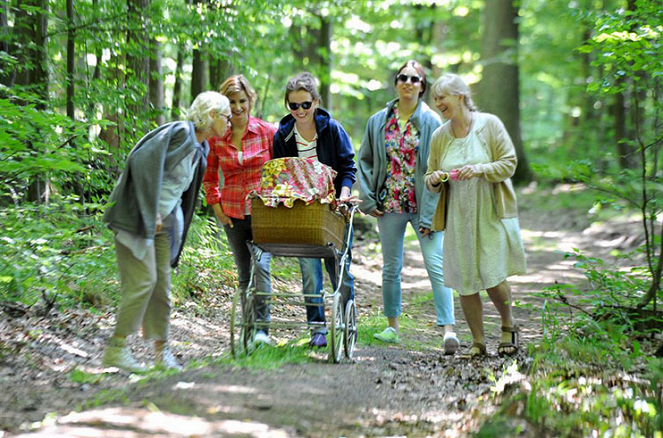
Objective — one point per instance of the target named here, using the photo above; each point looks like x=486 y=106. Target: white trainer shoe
x=261 y=338
x=451 y=343
x=121 y=357
x=166 y=359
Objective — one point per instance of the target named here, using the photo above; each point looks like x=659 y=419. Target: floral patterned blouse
x=399 y=193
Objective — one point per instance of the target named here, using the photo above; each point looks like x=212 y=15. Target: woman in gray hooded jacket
x=150 y=210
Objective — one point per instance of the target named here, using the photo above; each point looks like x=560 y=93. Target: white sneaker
x=166 y=359
x=261 y=338
x=451 y=343
x=121 y=357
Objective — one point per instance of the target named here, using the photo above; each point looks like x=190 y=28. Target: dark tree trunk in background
x=71 y=60
x=156 y=83
x=138 y=63
x=198 y=80
x=8 y=73
x=177 y=88
x=219 y=71
x=325 y=60
x=499 y=90
x=33 y=71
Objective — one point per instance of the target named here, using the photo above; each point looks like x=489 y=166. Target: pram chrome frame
x=343 y=324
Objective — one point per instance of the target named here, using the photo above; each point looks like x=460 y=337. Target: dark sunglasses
x=404 y=78
x=295 y=106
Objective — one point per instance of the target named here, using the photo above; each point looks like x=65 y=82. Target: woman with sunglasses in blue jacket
x=392 y=162
x=310 y=131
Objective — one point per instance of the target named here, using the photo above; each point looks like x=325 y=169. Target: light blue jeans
x=312 y=282
x=392 y=234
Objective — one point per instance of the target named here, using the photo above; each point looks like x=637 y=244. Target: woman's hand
x=218 y=212
x=425 y=231
x=438 y=177
x=467 y=172
x=376 y=213
x=347 y=197
x=353 y=199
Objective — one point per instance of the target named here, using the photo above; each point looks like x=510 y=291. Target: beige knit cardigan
x=498 y=144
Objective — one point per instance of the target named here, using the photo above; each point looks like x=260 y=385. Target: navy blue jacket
x=333 y=148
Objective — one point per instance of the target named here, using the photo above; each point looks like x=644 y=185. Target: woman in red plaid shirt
x=240 y=154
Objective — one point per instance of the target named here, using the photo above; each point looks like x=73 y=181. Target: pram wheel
x=242 y=323
x=337 y=331
x=350 y=329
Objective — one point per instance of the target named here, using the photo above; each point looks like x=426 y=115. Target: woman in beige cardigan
x=470 y=163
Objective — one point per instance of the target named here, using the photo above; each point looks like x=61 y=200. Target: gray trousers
x=145 y=290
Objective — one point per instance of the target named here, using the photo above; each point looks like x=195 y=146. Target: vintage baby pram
x=295 y=215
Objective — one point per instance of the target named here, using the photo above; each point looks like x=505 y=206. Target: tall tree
x=31 y=24
x=156 y=83
x=71 y=59
x=499 y=90
x=138 y=63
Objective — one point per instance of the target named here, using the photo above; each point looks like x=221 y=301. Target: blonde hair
x=203 y=104
x=237 y=84
x=451 y=84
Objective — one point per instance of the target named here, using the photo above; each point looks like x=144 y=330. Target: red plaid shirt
x=239 y=179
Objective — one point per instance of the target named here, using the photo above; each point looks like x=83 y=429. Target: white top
x=306 y=149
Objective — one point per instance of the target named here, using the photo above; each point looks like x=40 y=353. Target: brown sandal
x=479 y=346
x=510 y=348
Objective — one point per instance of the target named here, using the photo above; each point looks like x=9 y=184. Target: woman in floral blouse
x=392 y=163
x=240 y=154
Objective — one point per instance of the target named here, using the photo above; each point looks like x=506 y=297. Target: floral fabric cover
x=285 y=180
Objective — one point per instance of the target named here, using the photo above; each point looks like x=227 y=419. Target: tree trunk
x=156 y=84
x=138 y=63
x=325 y=60
x=177 y=88
x=71 y=60
x=499 y=90
x=33 y=74
x=198 y=80
x=9 y=73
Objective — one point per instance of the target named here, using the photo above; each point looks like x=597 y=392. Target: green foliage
x=78 y=376
x=206 y=263
x=275 y=356
x=55 y=252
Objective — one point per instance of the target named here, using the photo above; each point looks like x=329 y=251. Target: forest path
x=410 y=389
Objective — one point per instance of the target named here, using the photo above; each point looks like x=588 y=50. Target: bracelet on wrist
x=445 y=177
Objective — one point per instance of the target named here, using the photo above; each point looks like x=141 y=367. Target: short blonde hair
x=452 y=85
x=203 y=104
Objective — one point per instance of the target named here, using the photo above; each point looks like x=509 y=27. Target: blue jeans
x=392 y=233
x=312 y=284
x=237 y=238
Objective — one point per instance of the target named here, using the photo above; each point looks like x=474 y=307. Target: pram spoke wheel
x=248 y=330
x=350 y=329
x=235 y=323
x=242 y=327
x=337 y=331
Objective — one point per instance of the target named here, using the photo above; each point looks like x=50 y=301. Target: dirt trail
x=384 y=391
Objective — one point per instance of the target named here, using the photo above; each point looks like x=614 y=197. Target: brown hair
x=420 y=71
x=237 y=84
x=302 y=81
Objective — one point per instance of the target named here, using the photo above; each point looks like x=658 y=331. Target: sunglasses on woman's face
x=295 y=105
x=404 y=78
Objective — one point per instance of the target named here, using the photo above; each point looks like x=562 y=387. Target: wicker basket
x=312 y=224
